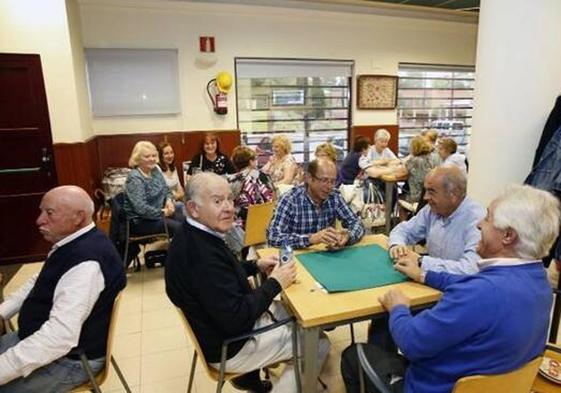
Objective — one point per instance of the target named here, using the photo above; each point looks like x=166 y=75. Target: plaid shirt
x=297 y=217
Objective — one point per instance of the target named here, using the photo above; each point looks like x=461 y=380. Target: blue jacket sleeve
x=464 y=310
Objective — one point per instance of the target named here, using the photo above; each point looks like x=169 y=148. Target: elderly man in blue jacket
x=487 y=323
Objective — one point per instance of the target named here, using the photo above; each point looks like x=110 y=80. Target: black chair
x=366 y=368
x=126 y=243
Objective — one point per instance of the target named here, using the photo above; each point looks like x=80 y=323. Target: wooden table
x=316 y=309
x=390 y=181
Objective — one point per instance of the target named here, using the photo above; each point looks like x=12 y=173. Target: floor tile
x=155 y=341
x=130 y=367
x=166 y=365
x=159 y=319
x=127 y=345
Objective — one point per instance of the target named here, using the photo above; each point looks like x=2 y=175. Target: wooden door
x=27 y=169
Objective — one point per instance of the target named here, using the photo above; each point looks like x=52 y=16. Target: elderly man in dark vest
x=67 y=305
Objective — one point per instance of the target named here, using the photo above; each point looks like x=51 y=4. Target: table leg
x=310 y=348
x=389 y=205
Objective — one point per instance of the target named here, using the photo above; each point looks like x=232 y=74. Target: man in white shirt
x=64 y=309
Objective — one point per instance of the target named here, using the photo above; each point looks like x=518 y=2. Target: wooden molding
x=83 y=163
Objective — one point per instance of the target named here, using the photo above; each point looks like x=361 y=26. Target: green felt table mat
x=351 y=269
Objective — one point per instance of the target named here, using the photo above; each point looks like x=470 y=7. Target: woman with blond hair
x=420 y=162
x=281 y=166
x=148 y=200
x=326 y=150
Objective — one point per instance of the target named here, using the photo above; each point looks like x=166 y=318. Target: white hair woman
x=379 y=154
x=148 y=200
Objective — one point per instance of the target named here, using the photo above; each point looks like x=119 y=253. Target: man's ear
x=509 y=237
x=78 y=218
x=192 y=209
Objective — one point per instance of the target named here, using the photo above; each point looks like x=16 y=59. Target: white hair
x=533 y=214
x=198 y=184
x=382 y=134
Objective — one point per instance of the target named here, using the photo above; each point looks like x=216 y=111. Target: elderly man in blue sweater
x=488 y=323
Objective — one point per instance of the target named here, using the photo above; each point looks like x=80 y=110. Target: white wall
x=376 y=43
x=40 y=27
x=518 y=79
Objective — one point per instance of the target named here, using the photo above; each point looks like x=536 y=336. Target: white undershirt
x=74 y=297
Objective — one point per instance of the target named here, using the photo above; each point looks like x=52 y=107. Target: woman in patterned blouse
x=249 y=186
x=210 y=159
x=148 y=200
x=281 y=166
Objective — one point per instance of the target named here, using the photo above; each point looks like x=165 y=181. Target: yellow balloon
x=224 y=81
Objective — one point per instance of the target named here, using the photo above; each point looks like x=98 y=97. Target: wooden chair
x=541 y=384
x=518 y=381
x=220 y=376
x=95 y=381
x=258 y=219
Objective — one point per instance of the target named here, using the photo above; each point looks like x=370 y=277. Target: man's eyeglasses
x=327 y=181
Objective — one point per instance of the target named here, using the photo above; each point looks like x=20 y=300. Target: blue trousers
x=62 y=375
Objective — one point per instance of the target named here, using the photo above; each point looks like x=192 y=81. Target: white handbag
x=372 y=213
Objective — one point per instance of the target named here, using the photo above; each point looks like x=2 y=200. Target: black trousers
x=387 y=365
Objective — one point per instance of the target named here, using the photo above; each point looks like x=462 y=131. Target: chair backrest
x=518 y=381
x=258 y=218
x=102 y=375
x=210 y=371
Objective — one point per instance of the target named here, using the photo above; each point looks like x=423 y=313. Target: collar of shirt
x=203 y=227
x=485 y=263
x=70 y=237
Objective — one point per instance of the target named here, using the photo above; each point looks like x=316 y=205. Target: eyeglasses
x=326 y=180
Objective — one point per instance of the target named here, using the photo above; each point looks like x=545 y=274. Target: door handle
x=46 y=159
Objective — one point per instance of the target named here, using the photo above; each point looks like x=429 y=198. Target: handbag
x=353 y=195
x=155 y=257
x=372 y=213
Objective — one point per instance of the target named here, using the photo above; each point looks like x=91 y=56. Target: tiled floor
x=151 y=346
x=152 y=349
x=154 y=353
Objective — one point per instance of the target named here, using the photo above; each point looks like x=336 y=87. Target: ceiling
x=466 y=11
x=460 y=5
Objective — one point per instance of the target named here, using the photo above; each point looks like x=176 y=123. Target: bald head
x=323 y=165
x=64 y=210
x=74 y=198
x=452 y=178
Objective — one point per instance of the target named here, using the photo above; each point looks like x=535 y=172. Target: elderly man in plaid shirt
x=306 y=214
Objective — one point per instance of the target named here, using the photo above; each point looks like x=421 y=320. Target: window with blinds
x=434 y=96
x=307 y=100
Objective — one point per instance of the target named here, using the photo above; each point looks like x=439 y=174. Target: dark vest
x=94 y=246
